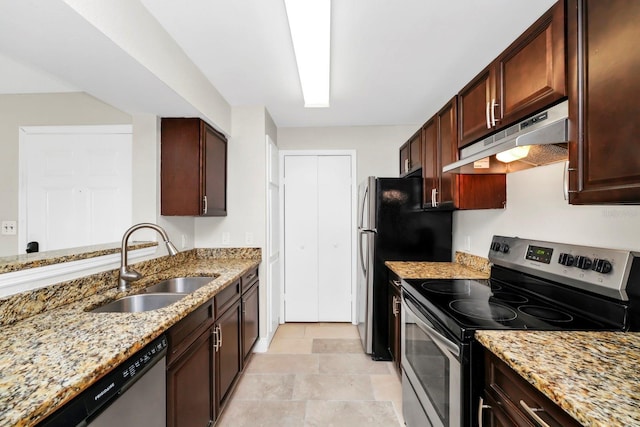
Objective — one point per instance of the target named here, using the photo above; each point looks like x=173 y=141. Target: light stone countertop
x=593 y=376
x=466 y=266
x=49 y=358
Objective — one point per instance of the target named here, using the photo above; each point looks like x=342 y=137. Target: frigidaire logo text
x=102 y=393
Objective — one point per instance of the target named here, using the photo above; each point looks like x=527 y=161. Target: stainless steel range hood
x=546 y=134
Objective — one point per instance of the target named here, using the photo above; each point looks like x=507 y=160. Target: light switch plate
x=9 y=228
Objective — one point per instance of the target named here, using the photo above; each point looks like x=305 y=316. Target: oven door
x=431 y=363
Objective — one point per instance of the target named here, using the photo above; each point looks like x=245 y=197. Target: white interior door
x=77 y=185
x=318 y=221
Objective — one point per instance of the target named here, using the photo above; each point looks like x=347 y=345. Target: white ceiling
x=393 y=61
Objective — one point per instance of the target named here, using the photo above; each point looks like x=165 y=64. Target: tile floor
x=315 y=374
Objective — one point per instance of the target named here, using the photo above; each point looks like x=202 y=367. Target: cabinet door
x=531 y=72
x=473 y=106
x=447 y=150
x=405 y=154
x=190 y=381
x=394 y=320
x=603 y=63
x=430 y=160
x=229 y=354
x=415 y=151
x=214 y=173
x=250 y=319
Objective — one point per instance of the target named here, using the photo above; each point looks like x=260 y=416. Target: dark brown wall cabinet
x=193 y=168
x=395 y=302
x=528 y=76
x=440 y=139
x=604 y=64
x=208 y=350
x=411 y=155
x=509 y=400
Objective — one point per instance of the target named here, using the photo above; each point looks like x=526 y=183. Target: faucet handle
x=129 y=275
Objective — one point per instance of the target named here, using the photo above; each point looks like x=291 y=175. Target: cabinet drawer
x=509 y=389
x=184 y=333
x=248 y=279
x=226 y=297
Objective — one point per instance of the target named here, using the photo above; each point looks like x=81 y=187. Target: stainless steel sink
x=140 y=302
x=181 y=285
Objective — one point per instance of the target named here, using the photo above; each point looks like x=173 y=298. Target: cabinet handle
x=244 y=306
x=220 y=336
x=434 y=198
x=481 y=406
x=251 y=276
x=397 y=282
x=532 y=413
x=205 y=206
x=487 y=115
x=395 y=305
x=406 y=165
x=215 y=338
x=494 y=104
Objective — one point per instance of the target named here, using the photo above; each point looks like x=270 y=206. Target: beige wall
x=376 y=146
x=40 y=110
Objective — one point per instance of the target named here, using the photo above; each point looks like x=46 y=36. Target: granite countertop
x=48 y=359
x=466 y=266
x=593 y=376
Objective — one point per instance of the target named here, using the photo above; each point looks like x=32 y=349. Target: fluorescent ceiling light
x=310 y=25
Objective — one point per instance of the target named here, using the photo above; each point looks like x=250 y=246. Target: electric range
x=534 y=285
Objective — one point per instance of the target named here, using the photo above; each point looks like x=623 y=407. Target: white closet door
x=334 y=226
x=301 y=238
x=317 y=238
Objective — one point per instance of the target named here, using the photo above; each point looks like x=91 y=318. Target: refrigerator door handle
x=364 y=202
x=362 y=260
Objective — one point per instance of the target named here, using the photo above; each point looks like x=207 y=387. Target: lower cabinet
x=509 y=400
x=207 y=353
x=394 y=319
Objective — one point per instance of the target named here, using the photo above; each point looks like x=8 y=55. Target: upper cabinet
x=193 y=168
x=604 y=64
x=449 y=190
x=528 y=76
x=411 y=155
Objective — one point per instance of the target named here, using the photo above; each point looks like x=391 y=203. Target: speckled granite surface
x=593 y=376
x=467 y=266
x=41 y=259
x=47 y=359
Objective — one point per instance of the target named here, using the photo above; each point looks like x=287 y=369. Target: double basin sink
x=156 y=296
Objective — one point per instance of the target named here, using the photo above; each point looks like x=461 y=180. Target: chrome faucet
x=129 y=275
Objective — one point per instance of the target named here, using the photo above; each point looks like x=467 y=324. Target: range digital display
x=540 y=254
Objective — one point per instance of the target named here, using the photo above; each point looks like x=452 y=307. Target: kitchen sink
x=140 y=302
x=181 y=285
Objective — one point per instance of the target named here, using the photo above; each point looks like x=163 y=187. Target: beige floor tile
x=291 y=345
x=351 y=364
x=331 y=330
x=332 y=387
x=350 y=414
x=336 y=345
x=267 y=363
x=290 y=330
x=265 y=387
x=388 y=388
x=274 y=413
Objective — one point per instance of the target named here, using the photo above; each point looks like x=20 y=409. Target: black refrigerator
x=392 y=226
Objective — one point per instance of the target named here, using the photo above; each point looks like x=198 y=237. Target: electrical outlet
x=248 y=238
x=226 y=238
x=9 y=228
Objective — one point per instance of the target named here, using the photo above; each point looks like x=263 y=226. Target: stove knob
x=495 y=246
x=505 y=248
x=583 y=262
x=601 y=266
x=566 y=259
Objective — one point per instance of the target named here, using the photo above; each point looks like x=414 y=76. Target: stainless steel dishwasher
x=133 y=394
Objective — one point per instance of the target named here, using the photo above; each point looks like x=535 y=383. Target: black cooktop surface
x=464 y=306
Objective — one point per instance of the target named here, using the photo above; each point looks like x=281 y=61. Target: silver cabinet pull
x=397 y=282
x=488 y=116
x=220 y=336
x=494 y=104
x=481 y=406
x=434 y=197
x=215 y=338
x=532 y=413
x=395 y=305
x=205 y=206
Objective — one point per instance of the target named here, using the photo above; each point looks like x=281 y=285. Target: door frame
x=24 y=132
x=354 y=214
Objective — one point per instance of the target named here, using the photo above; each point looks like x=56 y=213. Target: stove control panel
x=600 y=270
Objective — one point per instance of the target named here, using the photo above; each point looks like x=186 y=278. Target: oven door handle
x=435 y=335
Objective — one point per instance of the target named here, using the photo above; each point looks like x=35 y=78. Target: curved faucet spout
x=127 y=274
